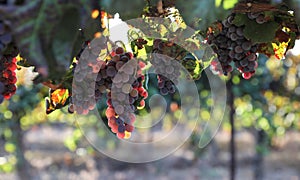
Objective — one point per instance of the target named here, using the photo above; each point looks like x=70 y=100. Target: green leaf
x=261 y=33
x=240 y=19
x=66 y=34
x=226 y=4
x=46 y=32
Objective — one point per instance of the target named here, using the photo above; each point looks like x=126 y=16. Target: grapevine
x=235 y=45
x=163 y=67
x=250 y=29
x=125 y=93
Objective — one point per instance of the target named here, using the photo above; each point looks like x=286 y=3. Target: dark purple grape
x=172 y=89
x=252 y=57
x=111 y=71
x=246 y=46
x=251 y=64
x=239 y=56
x=124 y=59
x=119 y=121
x=131 y=100
x=234 y=37
x=238 y=49
x=223 y=58
x=161 y=84
x=244 y=62
x=253 y=15
x=164 y=91
x=231 y=54
x=239 y=32
x=260 y=19
x=121 y=128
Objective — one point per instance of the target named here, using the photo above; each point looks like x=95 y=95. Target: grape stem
x=256 y=7
x=51 y=86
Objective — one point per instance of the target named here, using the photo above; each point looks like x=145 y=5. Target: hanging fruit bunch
x=250 y=29
x=8 y=62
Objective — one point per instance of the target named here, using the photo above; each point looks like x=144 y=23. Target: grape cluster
x=167 y=70
x=8 y=77
x=120 y=77
x=231 y=45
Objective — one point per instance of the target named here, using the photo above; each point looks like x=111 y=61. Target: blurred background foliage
x=269 y=101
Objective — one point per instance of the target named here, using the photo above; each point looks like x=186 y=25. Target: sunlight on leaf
x=228 y=4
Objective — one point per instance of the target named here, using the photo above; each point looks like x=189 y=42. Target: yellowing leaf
x=227 y=3
x=280 y=49
x=59 y=96
x=57 y=100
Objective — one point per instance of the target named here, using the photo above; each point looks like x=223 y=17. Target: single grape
x=121 y=128
x=169 y=69
x=244 y=62
x=260 y=19
x=126 y=88
x=252 y=57
x=164 y=91
x=111 y=71
x=247 y=75
x=118 y=78
x=119 y=50
x=239 y=32
x=121 y=97
x=134 y=93
x=121 y=135
x=129 y=127
x=253 y=15
x=233 y=37
x=238 y=49
x=119 y=121
x=246 y=46
x=119 y=109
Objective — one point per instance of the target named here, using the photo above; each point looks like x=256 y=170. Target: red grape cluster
x=8 y=77
x=231 y=45
x=123 y=79
x=119 y=77
x=167 y=70
x=8 y=53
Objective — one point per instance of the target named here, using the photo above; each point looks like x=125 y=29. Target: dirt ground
x=52 y=160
